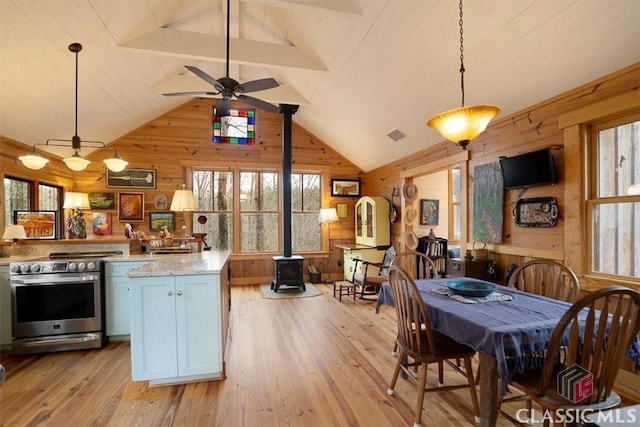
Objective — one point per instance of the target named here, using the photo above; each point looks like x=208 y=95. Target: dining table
x=509 y=329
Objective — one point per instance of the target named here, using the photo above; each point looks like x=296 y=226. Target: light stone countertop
x=208 y=262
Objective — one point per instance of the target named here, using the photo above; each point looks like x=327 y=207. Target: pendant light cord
x=228 y=32
x=461 y=55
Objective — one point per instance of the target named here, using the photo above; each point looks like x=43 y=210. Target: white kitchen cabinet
x=373 y=227
x=5 y=306
x=117 y=297
x=178 y=327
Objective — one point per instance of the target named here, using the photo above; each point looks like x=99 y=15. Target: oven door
x=55 y=304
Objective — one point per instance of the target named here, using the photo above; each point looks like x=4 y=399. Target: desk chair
x=423 y=344
x=369 y=282
x=611 y=321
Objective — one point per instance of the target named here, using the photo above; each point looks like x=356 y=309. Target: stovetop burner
x=78 y=255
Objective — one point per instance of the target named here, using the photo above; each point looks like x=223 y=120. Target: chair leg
x=440 y=373
x=420 y=402
x=472 y=388
x=396 y=372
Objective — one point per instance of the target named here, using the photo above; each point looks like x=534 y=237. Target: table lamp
x=14 y=232
x=76 y=224
x=183 y=201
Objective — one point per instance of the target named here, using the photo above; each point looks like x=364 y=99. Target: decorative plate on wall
x=536 y=212
x=160 y=201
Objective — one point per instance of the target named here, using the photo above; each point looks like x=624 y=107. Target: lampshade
x=463 y=124
x=115 y=163
x=14 y=232
x=183 y=200
x=328 y=216
x=76 y=200
x=33 y=160
x=76 y=163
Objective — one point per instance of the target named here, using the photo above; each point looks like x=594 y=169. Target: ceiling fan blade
x=204 y=76
x=257 y=85
x=259 y=103
x=191 y=94
x=222 y=109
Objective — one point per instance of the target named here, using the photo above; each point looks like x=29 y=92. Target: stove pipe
x=287 y=112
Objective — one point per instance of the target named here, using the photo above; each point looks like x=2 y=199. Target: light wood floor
x=291 y=362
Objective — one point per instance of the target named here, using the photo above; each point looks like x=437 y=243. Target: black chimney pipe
x=287 y=112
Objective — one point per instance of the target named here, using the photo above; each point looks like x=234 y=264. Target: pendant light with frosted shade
x=461 y=125
x=183 y=201
x=75 y=162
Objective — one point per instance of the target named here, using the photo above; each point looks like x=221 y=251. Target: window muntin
x=614 y=215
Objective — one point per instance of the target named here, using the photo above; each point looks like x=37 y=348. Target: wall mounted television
x=528 y=170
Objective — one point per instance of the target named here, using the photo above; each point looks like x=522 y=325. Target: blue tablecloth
x=514 y=332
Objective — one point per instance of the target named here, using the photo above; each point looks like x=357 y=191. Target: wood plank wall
x=533 y=128
x=181 y=139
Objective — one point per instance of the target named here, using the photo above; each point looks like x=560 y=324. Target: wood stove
x=288 y=271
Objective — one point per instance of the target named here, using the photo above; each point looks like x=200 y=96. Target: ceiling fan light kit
x=230 y=88
x=461 y=125
x=76 y=162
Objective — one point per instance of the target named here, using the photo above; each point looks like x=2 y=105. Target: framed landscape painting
x=345 y=187
x=37 y=224
x=158 y=220
x=101 y=201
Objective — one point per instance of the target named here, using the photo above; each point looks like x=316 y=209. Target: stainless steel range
x=57 y=304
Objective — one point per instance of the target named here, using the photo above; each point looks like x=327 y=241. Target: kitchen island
x=180 y=318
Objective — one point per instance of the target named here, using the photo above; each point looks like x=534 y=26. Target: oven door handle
x=55 y=280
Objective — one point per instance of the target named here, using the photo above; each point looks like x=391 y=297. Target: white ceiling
x=359 y=68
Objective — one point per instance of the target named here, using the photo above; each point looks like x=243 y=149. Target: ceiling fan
x=228 y=87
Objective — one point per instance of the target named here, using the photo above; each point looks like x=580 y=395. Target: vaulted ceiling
x=358 y=68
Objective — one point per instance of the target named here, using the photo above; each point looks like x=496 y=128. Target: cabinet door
x=198 y=323
x=117 y=298
x=153 y=328
x=5 y=306
x=359 y=222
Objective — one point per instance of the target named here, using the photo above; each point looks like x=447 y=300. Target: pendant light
x=463 y=124
x=76 y=162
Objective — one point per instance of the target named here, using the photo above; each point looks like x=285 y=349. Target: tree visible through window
x=614 y=197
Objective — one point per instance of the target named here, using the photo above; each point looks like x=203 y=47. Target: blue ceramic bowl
x=470 y=287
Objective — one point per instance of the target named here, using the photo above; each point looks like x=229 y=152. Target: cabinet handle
x=179 y=293
x=170 y=293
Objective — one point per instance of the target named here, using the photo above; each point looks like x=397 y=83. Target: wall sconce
x=183 y=201
x=76 y=224
x=14 y=232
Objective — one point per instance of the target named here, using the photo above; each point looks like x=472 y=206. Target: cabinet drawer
x=114 y=269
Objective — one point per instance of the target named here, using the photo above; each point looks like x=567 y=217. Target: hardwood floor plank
x=290 y=362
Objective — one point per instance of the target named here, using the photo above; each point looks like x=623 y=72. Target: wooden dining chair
x=548 y=278
x=424 y=345
x=369 y=281
x=589 y=344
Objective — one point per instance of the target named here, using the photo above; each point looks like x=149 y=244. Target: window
x=305 y=205
x=454 y=201
x=22 y=194
x=613 y=205
x=213 y=191
x=255 y=216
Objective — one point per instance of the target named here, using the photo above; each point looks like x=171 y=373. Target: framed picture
x=37 y=224
x=429 y=211
x=342 y=210
x=132 y=178
x=345 y=187
x=157 y=220
x=101 y=201
x=102 y=223
x=131 y=207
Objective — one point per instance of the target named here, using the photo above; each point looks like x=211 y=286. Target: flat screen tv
x=529 y=169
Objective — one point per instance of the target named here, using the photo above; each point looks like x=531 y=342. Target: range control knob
x=24 y=268
x=35 y=268
x=72 y=266
x=82 y=266
x=14 y=268
x=91 y=265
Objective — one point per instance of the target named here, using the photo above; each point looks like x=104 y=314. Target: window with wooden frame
x=23 y=194
x=454 y=205
x=613 y=197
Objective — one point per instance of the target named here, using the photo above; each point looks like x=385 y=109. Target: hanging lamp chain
x=461 y=55
x=75 y=140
